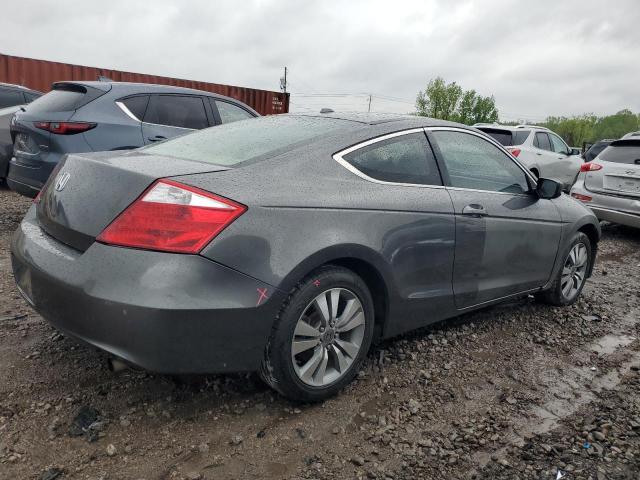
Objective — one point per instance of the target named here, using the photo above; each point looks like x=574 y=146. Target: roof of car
x=398 y=120
x=21 y=87
x=511 y=128
x=140 y=87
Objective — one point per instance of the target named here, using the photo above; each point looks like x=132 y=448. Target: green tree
x=448 y=101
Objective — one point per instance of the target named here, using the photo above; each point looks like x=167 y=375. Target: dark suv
x=98 y=116
x=12 y=97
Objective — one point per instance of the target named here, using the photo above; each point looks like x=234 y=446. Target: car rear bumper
x=27 y=174
x=611 y=208
x=166 y=313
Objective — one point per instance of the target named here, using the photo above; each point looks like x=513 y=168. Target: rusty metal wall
x=40 y=74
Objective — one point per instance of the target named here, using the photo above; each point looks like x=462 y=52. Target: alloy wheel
x=328 y=337
x=574 y=271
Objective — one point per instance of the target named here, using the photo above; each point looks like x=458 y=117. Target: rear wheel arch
x=364 y=262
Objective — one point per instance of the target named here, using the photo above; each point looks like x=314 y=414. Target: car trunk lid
x=86 y=192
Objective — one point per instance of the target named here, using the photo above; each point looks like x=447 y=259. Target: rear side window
x=594 y=151
x=520 y=137
x=261 y=138
x=182 y=111
x=136 y=105
x=10 y=98
x=404 y=159
x=622 y=151
x=229 y=112
x=542 y=141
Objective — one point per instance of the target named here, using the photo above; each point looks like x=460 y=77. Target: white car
x=540 y=150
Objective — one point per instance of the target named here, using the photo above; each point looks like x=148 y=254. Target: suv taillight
x=590 y=167
x=172 y=217
x=514 y=151
x=65 y=128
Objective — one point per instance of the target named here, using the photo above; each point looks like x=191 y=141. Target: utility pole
x=369 y=110
x=283 y=81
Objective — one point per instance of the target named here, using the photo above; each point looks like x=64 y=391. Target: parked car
x=594 y=149
x=287 y=243
x=12 y=97
x=97 y=116
x=610 y=184
x=635 y=135
x=540 y=150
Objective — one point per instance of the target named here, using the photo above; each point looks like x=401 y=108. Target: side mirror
x=575 y=151
x=548 y=189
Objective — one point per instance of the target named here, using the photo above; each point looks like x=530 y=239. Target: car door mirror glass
x=548 y=189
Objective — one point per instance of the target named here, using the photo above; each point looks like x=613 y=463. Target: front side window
x=182 y=111
x=558 y=145
x=229 y=112
x=474 y=163
x=404 y=159
x=541 y=141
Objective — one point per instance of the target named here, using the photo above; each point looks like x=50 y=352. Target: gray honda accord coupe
x=287 y=244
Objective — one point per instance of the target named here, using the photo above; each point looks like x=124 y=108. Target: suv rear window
x=622 y=151
x=508 y=138
x=232 y=143
x=64 y=98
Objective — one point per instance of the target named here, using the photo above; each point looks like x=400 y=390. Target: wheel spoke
x=303 y=329
x=309 y=368
x=567 y=287
x=322 y=368
x=348 y=347
x=321 y=303
x=566 y=271
x=335 y=301
x=300 y=346
x=354 y=322
x=340 y=359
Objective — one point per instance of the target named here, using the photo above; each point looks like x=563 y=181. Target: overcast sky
x=537 y=58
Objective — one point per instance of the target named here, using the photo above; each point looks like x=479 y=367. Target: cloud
x=537 y=58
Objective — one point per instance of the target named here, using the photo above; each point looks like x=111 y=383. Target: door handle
x=157 y=138
x=474 y=210
x=539 y=154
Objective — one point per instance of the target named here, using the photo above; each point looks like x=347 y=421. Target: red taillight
x=590 y=167
x=582 y=198
x=172 y=217
x=65 y=128
x=514 y=151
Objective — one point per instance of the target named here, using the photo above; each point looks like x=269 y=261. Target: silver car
x=610 y=184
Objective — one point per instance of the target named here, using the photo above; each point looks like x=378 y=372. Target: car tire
x=556 y=295
x=301 y=323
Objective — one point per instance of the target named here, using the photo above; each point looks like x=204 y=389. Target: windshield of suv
x=622 y=151
x=508 y=138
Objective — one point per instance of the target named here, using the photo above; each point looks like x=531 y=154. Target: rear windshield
x=622 y=151
x=250 y=139
x=57 y=101
x=507 y=137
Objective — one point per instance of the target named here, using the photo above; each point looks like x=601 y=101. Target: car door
x=565 y=167
x=416 y=226
x=544 y=157
x=506 y=237
x=168 y=116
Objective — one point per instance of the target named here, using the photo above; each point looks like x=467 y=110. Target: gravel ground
x=516 y=391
